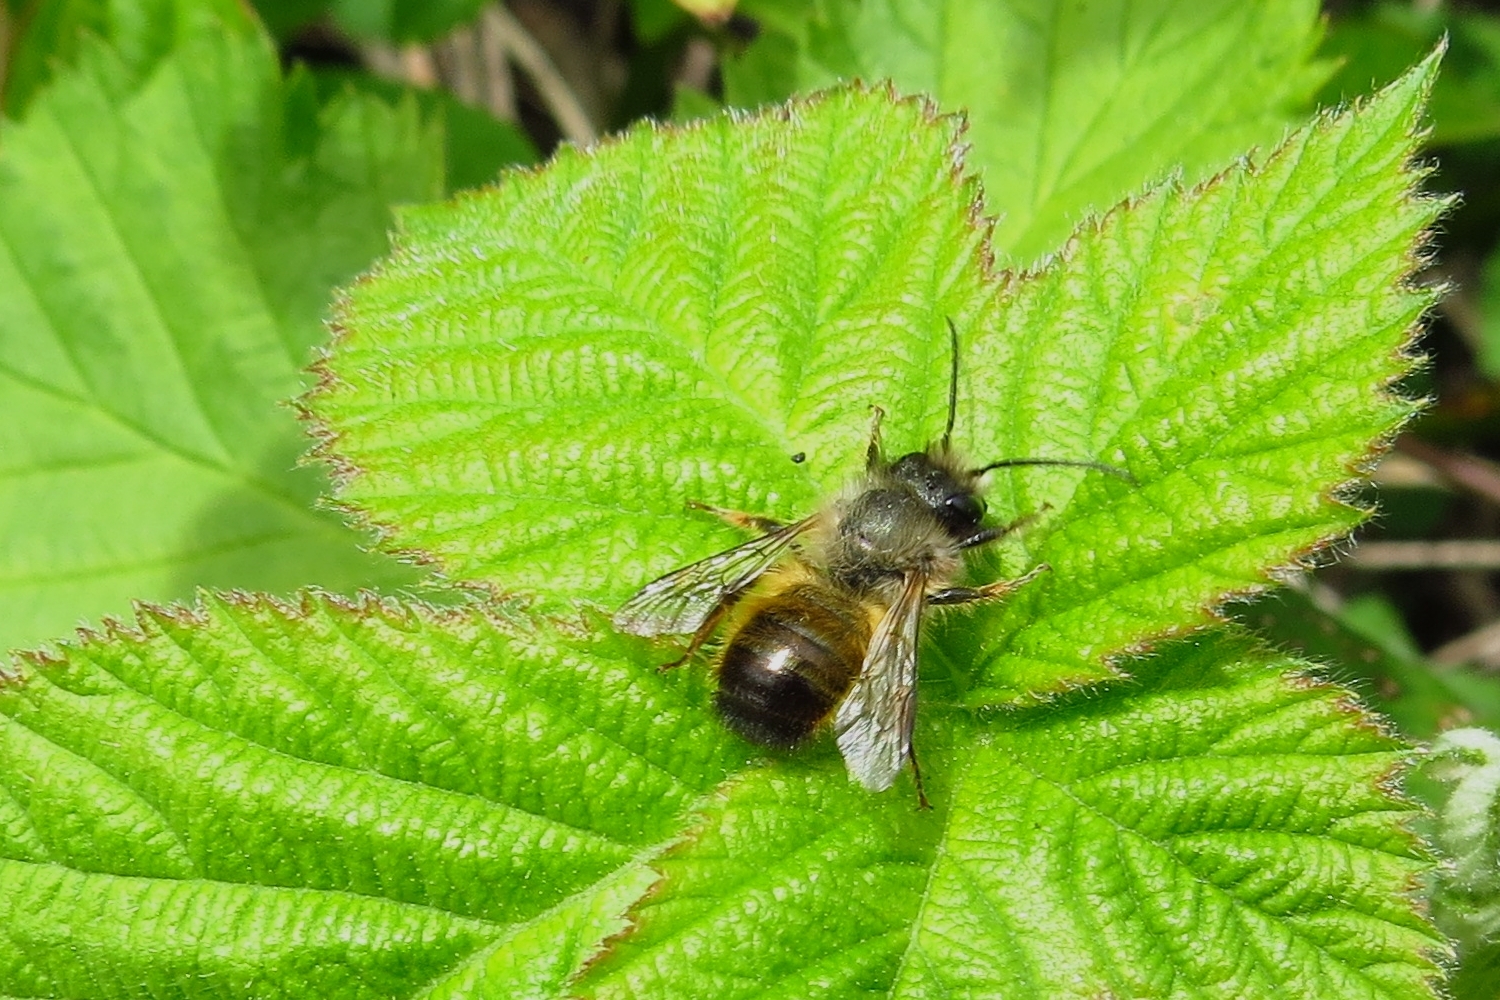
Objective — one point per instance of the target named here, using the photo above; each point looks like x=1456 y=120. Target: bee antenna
x=952 y=385
x=1113 y=470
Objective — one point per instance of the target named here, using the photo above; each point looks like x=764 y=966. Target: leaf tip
x=1408 y=95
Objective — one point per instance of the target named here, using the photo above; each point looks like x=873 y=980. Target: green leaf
x=476 y=145
x=1460 y=780
x=168 y=247
x=632 y=327
x=1236 y=358
x=653 y=20
x=283 y=18
x=1380 y=622
x=1465 y=766
x=327 y=800
x=1489 y=312
x=403 y=21
x=689 y=104
x=141 y=33
x=531 y=386
x=1478 y=978
x=1218 y=830
x=1071 y=106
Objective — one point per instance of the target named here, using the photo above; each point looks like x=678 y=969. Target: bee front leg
x=738 y=518
x=989 y=592
x=992 y=534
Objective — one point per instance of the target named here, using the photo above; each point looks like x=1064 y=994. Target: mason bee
x=826 y=611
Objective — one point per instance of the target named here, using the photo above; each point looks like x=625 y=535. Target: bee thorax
x=884 y=534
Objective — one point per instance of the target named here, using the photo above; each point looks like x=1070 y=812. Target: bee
x=827 y=610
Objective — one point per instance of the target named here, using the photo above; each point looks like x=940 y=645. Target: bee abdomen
x=791 y=663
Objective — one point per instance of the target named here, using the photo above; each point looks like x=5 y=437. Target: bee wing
x=874 y=723
x=681 y=601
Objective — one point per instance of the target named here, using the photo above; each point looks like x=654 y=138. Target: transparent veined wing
x=681 y=601
x=874 y=722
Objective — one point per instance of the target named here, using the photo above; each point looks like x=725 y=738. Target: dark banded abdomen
x=791 y=662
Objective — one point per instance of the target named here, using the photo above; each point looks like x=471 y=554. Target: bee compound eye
x=966 y=505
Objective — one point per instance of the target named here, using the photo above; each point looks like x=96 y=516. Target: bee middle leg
x=916 y=773
x=740 y=519
x=704 y=631
x=989 y=592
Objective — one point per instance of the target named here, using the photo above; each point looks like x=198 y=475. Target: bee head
x=948 y=493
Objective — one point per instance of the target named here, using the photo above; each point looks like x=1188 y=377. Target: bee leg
x=738 y=518
x=873 y=458
x=989 y=592
x=916 y=773
x=704 y=631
